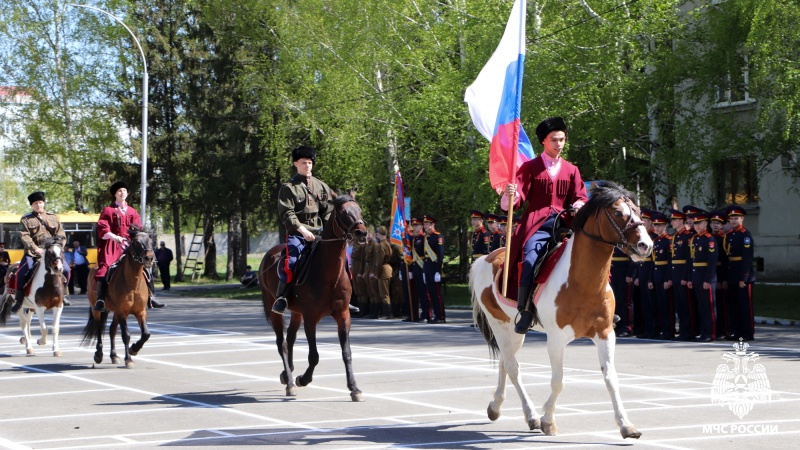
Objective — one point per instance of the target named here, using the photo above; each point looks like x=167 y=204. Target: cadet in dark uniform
x=409 y=281
x=36 y=227
x=704 y=253
x=717 y=220
x=418 y=256
x=434 y=254
x=5 y=261
x=502 y=225
x=644 y=281
x=689 y=210
x=679 y=274
x=304 y=205
x=496 y=235
x=740 y=247
x=480 y=236
x=622 y=271
x=662 y=253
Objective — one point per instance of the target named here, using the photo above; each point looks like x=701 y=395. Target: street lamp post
x=143 y=206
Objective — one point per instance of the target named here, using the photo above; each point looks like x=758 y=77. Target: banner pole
x=508 y=243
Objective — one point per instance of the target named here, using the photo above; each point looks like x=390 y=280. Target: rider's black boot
x=19 y=297
x=102 y=287
x=279 y=307
x=525 y=315
x=151 y=300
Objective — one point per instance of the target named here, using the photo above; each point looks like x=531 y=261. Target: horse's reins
x=631 y=224
x=138 y=258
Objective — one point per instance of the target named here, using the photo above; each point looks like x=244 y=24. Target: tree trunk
x=240 y=268
x=176 y=224
x=234 y=244
x=210 y=262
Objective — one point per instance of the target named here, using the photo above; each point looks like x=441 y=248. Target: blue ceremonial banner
x=398 y=212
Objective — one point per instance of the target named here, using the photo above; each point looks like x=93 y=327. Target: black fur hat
x=304 y=151
x=36 y=196
x=548 y=126
x=117 y=186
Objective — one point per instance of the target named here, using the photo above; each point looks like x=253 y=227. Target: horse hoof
x=549 y=429
x=629 y=431
x=98 y=358
x=39 y=342
x=115 y=360
x=129 y=365
x=299 y=381
x=535 y=424
x=57 y=353
x=356 y=396
x=132 y=352
x=493 y=415
x=30 y=352
x=23 y=341
x=284 y=378
x=291 y=391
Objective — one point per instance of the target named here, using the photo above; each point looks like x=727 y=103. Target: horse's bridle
x=339 y=226
x=631 y=224
x=48 y=265
x=138 y=258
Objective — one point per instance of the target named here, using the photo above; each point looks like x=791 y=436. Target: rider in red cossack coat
x=112 y=229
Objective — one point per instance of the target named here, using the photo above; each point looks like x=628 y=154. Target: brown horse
x=46 y=293
x=127 y=294
x=326 y=293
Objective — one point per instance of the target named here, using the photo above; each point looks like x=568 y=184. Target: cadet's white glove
x=437 y=278
x=400 y=275
x=423 y=278
x=410 y=276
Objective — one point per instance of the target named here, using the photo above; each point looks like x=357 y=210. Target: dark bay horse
x=576 y=301
x=127 y=294
x=326 y=292
x=46 y=293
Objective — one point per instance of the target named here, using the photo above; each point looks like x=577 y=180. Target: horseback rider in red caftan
x=112 y=229
x=550 y=185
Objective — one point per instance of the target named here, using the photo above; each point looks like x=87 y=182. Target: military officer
x=407 y=274
x=502 y=225
x=432 y=266
x=679 y=274
x=662 y=253
x=689 y=210
x=418 y=257
x=480 y=236
x=740 y=247
x=704 y=253
x=374 y=305
x=493 y=223
x=357 y=271
x=622 y=272
x=382 y=272
x=34 y=228
x=304 y=205
x=643 y=281
x=716 y=221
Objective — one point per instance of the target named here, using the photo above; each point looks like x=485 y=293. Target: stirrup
x=524 y=323
x=100 y=306
x=280 y=305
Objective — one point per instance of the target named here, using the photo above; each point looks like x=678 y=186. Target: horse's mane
x=602 y=195
x=341 y=200
x=51 y=241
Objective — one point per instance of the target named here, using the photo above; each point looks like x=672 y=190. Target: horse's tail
x=5 y=308
x=478 y=316
x=94 y=329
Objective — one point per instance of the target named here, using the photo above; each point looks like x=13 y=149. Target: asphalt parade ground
x=209 y=377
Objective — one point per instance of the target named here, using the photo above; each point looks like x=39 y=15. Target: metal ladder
x=193 y=261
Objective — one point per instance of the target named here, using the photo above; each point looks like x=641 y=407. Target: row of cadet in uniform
x=491 y=237
x=378 y=268
x=703 y=273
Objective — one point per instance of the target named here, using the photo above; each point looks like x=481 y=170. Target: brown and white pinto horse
x=326 y=293
x=46 y=293
x=576 y=301
x=127 y=294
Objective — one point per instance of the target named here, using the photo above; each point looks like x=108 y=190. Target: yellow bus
x=78 y=226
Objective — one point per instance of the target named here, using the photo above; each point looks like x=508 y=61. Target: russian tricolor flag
x=495 y=99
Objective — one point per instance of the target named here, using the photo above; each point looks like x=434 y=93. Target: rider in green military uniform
x=36 y=227
x=305 y=203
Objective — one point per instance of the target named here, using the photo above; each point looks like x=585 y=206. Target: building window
x=733 y=87
x=738 y=181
